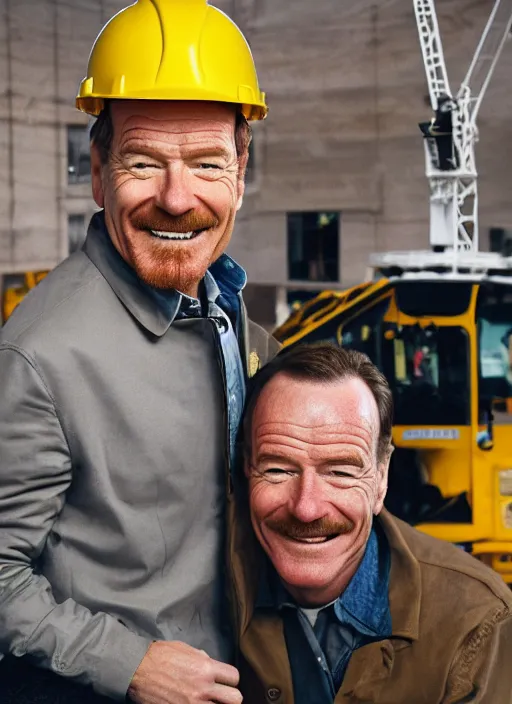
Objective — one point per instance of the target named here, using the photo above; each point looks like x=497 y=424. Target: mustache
x=293 y=528
x=161 y=221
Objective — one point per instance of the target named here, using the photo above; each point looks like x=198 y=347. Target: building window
x=313 y=246
x=76 y=232
x=79 y=158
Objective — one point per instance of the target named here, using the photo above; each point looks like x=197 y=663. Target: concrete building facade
x=337 y=169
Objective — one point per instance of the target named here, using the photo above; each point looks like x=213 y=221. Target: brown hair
x=102 y=133
x=324 y=363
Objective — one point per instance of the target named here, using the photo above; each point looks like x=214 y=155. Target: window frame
x=304 y=241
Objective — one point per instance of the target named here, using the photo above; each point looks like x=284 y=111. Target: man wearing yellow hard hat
x=123 y=379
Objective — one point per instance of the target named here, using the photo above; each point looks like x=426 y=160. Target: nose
x=307 y=503
x=176 y=195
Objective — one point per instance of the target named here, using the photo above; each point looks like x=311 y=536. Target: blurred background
x=337 y=170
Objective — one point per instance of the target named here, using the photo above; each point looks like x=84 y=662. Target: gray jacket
x=112 y=473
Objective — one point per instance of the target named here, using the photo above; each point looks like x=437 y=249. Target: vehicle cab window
x=428 y=370
x=494 y=318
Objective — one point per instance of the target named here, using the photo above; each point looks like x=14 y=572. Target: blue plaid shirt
x=222 y=284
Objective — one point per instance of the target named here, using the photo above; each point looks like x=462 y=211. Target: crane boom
x=432 y=50
x=450 y=139
x=487 y=55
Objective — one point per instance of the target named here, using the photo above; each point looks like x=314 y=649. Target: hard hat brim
x=93 y=105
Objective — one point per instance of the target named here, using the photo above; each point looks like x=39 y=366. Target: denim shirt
x=359 y=616
x=222 y=284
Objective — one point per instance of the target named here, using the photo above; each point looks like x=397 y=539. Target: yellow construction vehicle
x=13 y=294
x=439 y=325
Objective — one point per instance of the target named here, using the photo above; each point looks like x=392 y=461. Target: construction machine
x=15 y=292
x=438 y=324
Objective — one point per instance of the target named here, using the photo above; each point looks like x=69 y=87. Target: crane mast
x=450 y=139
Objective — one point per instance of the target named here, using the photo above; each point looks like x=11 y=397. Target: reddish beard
x=168 y=264
x=322 y=527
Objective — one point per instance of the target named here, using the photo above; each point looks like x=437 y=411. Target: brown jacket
x=451 y=621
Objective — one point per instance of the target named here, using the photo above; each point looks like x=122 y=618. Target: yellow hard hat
x=171 y=50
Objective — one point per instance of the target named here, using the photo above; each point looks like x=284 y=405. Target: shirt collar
x=155 y=309
x=211 y=287
x=229 y=275
x=365 y=602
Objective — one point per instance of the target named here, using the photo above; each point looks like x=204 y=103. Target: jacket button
x=273 y=694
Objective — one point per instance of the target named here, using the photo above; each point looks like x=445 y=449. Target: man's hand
x=176 y=673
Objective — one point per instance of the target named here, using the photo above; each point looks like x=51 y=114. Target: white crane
x=450 y=140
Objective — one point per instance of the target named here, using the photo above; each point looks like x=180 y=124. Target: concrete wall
x=346 y=87
x=44 y=47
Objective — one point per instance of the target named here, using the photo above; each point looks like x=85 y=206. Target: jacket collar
x=154 y=309
x=371 y=666
x=404 y=581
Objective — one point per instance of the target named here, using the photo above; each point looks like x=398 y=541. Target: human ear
x=382 y=481
x=98 y=191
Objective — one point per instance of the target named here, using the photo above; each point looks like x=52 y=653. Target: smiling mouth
x=314 y=541
x=176 y=236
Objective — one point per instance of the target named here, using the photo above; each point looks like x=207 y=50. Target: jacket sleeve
x=35 y=472
x=481 y=671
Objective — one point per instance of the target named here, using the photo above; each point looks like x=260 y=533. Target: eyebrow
x=274 y=458
x=144 y=150
x=352 y=459
x=206 y=151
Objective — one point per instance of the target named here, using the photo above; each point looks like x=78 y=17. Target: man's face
x=170 y=189
x=315 y=481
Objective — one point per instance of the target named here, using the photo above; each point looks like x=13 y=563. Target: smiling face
x=170 y=188
x=315 y=481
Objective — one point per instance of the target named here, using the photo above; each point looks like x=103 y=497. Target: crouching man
x=352 y=604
